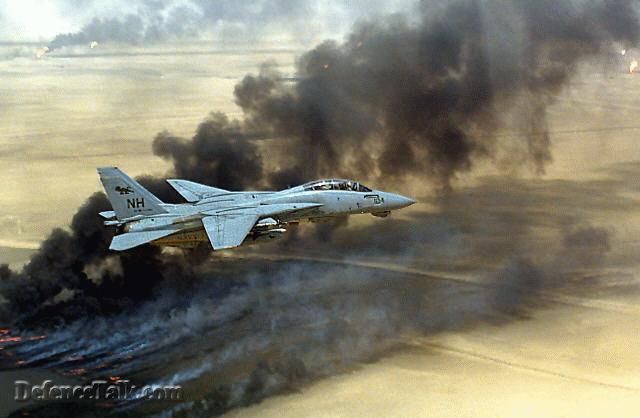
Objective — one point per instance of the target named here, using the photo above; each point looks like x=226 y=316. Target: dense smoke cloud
x=398 y=99
x=153 y=23
x=78 y=264
x=395 y=99
x=219 y=154
x=156 y=22
x=116 y=30
x=256 y=330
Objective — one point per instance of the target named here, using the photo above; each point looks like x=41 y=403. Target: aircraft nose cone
x=397 y=201
x=405 y=201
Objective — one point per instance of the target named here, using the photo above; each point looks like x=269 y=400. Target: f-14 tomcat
x=226 y=218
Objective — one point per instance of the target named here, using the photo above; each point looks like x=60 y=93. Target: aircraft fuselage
x=232 y=218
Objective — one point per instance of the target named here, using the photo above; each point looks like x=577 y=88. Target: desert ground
x=574 y=351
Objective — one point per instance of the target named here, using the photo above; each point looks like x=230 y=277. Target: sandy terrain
x=565 y=361
x=578 y=356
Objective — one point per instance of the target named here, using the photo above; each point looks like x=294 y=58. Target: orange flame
x=77 y=372
x=37 y=337
x=633 y=66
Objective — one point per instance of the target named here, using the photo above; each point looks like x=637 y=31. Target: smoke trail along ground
x=336 y=80
x=288 y=323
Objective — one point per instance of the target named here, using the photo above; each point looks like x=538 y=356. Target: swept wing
x=228 y=231
x=227 y=228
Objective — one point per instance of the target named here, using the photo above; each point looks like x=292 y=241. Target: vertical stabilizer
x=128 y=198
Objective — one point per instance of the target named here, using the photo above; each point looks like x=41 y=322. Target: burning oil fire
x=37 y=337
x=623 y=52
x=6 y=337
x=633 y=66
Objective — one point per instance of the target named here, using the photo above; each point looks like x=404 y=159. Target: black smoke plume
x=416 y=93
x=399 y=99
x=220 y=153
x=153 y=22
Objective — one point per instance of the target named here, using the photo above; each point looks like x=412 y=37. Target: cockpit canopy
x=336 y=184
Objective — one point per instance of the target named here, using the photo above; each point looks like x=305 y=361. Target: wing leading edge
x=192 y=192
x=227 y=228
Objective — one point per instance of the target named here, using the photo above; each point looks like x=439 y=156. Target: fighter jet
x=228 y=219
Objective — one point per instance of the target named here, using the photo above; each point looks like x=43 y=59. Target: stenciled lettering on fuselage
x=135 y=203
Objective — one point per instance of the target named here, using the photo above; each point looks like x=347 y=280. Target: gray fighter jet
x=226 y=218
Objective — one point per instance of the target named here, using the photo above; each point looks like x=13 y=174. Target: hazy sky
x=37 y=21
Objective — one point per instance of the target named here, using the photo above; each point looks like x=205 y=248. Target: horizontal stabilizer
x=108 y=214
x=192 y=192
x=133 y=239
x=228 y=231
